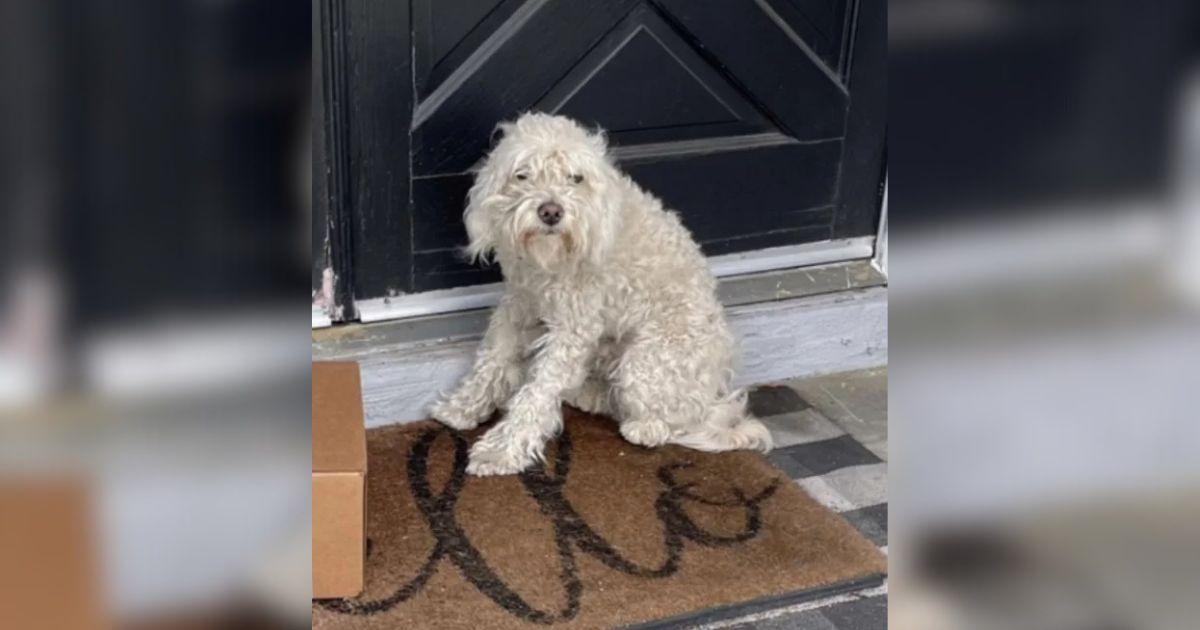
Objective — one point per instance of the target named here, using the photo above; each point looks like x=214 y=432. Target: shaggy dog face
x=541 y=196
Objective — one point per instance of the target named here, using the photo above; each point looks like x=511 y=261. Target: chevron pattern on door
x=735 y=113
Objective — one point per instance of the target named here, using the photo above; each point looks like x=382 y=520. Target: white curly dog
x=608 y=305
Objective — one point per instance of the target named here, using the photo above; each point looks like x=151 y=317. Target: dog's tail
x=727 y=427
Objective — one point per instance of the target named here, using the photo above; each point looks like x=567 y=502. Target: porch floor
x=831 y=438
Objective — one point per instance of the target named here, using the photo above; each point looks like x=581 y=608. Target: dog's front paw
x=455 y=416
x=646 y=432
x=515 y=444
x=497 y=459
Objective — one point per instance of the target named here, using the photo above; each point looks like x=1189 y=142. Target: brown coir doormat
x=604 y=534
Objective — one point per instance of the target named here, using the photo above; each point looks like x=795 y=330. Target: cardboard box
x=50 y=572
x=339 y=475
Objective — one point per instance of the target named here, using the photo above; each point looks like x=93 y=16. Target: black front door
x=760 y=121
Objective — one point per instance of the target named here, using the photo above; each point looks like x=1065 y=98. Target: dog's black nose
x=550 y=213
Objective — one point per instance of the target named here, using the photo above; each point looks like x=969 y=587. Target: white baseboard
x=779 y=340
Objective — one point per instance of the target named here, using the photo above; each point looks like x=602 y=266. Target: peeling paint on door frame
x=325 y=310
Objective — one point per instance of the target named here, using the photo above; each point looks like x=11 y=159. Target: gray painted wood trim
x=781 y=339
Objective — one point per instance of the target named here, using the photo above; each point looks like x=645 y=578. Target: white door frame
x=880 y=260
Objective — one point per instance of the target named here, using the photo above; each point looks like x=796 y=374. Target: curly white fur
x=612 y=310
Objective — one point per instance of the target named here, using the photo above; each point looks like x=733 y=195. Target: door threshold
x=726 y=266
x=353 y=340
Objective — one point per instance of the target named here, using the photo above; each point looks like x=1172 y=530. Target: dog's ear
x=605 y=180
x=599 y=140
x=489 y=179
x=481 y=243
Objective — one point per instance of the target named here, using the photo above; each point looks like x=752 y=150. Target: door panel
x=753 y=188
x=526 y=56
x=446 y=32
x=775 y=67
x=820 y=24
x=645 y=84
x=734 y=112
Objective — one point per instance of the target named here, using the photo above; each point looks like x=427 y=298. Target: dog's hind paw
x=646 y=433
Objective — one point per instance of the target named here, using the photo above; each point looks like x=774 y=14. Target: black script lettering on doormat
x=571 y=532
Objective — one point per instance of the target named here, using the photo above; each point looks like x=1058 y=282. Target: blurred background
x=154 y=352
x=1045 y=344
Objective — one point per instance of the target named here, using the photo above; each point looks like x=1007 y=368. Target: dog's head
x=543 y=195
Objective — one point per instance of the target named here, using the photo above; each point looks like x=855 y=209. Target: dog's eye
x=522 y=176
x=578 y=179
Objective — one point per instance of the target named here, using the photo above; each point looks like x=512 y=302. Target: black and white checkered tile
x=845 y=476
